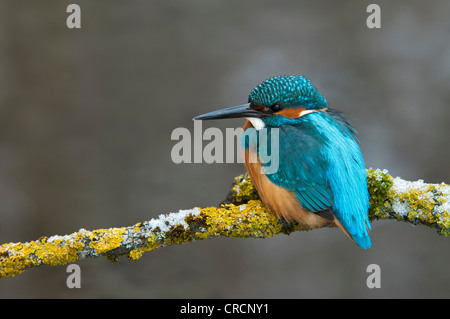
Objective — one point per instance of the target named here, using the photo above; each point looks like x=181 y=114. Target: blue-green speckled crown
x=288 y=91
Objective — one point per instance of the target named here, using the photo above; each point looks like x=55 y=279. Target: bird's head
x=274 y=99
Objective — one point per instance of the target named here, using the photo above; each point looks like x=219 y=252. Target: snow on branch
x=242 y=215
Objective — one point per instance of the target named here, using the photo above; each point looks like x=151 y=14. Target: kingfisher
x=321 y=177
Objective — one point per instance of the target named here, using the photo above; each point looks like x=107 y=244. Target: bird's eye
x=276 y=108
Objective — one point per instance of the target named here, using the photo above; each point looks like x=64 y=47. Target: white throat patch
x=256 y=122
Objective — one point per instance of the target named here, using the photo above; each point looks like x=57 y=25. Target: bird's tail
x=362 y=240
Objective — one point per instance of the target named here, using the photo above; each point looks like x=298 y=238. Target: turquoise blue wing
x=302 y=167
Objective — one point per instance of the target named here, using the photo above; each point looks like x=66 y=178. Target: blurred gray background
x=86 y=117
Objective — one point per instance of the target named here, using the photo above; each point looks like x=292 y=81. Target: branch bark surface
x=241 y=215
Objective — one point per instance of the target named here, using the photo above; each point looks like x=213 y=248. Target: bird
x=321 y=178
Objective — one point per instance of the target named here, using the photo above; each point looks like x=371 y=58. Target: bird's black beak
x=239 y=111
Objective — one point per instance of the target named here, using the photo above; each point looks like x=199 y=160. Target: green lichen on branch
x=244 y=216
x=243 y=189
x=379 y=184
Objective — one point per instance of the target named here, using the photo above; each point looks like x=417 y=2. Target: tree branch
x=241 y=215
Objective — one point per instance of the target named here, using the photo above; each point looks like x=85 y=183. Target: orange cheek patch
x=247 y=125
x=292 y=113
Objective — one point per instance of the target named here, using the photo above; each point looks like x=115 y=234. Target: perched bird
x=321 y=177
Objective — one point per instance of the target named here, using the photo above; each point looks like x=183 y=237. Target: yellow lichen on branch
x=251 y=219
x=243 y=216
